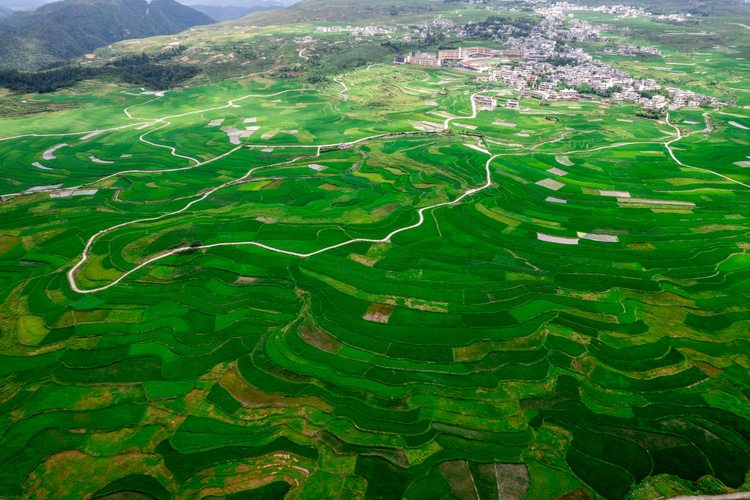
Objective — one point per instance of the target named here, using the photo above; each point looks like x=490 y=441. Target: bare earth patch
x=564 y=160
x=616 y=194
x=50 y=153
x=513 y=480
x=385 y=209
x=378 y=313
x=656 y=202
x=319 y=338
x=557 y=239
x=555 y=200
x=97 y=160
x=604 y=238
x=481 y=150
x=550 y=184
x=92 y=134
x=557 y=171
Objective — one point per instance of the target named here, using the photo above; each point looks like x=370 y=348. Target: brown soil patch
x=330 y=187
x=456 y=472
x=319 y=338
x=707 y=368
x=640 y=246
x=362 y=259
x=245 y=280
x=513 y=480
x=385 y=209
x=251 y=397
x=378 y=313
x=577 y=494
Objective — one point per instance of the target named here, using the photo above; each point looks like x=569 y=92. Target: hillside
x=230 y=12
x=62 y=30
x=344 y=10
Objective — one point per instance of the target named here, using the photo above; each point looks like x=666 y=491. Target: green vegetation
x=72 y=28
x=288 y=293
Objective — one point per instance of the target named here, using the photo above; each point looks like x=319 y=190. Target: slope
x=70 y=28
x=346 y=10
x=231 y=12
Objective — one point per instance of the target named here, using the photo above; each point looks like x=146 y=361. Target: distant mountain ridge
x=70 y=28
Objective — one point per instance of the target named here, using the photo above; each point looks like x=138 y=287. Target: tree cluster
x=135 y=69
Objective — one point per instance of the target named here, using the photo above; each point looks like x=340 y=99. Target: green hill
x=230 y=12
x=346 y=11
x=62 y=30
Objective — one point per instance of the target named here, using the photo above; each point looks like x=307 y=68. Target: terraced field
x=257 y=290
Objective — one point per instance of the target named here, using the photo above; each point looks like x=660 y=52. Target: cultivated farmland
x=263 y=289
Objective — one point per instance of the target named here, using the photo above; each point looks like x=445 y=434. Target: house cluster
x=485 y=102
x=689 y=99
x=560 y=9
x=547 y=78
x=677 y=99
x=326 y=29
x=631 y=50
x=680 y=18
x=531 y=45
x=357 y=31
x=541 y=42
x=445 y=24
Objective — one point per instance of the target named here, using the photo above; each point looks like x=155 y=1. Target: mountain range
x=70 y=28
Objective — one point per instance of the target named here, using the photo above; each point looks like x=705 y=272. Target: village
x=537 y=63
x=527 y=66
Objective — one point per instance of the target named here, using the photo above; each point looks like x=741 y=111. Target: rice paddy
x=337 y=304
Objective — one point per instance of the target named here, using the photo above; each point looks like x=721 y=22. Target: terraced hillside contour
x=287 y=293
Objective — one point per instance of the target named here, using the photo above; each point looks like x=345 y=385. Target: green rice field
x=262 y=290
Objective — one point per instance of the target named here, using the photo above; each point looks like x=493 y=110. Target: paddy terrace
x=372 y=289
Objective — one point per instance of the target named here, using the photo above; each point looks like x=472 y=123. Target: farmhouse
x=568 y=94
x=485 y=101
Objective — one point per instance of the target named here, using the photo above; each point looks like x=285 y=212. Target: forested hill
x=62 y=30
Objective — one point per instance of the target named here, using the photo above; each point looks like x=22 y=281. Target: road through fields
x=387 y=238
